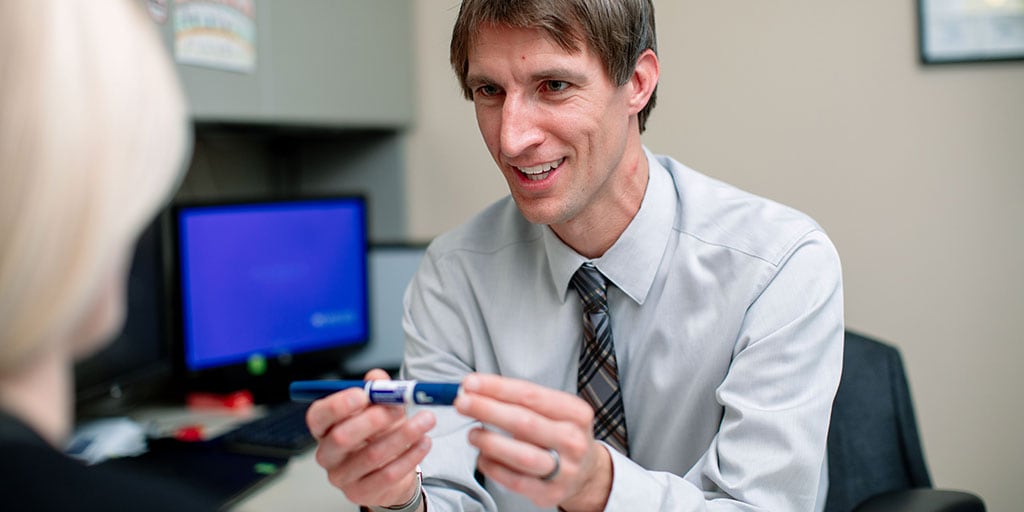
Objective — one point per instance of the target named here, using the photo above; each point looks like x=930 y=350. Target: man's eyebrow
x=559 y=73
x=477 y=80
x=556 y=73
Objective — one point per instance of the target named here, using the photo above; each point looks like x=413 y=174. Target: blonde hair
x=93 y=131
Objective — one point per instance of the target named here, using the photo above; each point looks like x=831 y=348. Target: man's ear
x=644 y=79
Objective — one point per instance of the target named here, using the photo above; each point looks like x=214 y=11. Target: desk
x=302 y=487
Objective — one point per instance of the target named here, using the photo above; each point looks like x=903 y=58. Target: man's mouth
x=541 y=171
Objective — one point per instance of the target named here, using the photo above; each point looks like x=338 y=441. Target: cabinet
x=319 y=63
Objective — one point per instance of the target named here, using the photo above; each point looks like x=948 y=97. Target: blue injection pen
x=391 y=392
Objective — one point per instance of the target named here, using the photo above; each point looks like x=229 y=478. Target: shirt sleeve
x=437 y=348
x=777 y=397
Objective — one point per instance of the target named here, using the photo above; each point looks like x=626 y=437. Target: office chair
x=875 y=461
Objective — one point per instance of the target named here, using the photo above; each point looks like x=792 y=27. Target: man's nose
x=519 y=130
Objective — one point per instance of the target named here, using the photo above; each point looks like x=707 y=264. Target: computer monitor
x=270 y=291
x=392 y=267
x=136 y=365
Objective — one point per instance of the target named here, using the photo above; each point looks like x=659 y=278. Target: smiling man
x=565 y=136
x=629 y=334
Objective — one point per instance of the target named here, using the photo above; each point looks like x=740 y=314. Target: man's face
x=553 y=121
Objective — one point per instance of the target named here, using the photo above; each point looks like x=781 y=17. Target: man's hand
x=370 y=451
x=534 y=420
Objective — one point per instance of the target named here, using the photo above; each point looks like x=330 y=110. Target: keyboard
x=282 y=432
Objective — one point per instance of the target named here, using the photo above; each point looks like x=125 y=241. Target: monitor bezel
x=103 y=391
x=272 y=385
x=361 y=362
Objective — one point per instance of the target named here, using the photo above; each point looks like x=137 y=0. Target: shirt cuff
x=635 y=488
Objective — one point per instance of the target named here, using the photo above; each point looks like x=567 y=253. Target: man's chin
x=536 y=212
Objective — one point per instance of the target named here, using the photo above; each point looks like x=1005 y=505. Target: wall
x=247 y=162
x=302 y=122
x=916 y=173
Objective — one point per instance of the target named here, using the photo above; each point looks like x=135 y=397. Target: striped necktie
x=598 y=382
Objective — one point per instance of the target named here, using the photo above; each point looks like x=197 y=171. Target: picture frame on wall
x=953 y=31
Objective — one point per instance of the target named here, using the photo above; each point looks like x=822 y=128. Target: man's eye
x=487 y=90
x=556 y=85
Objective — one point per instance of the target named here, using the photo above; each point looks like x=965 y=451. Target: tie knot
x=591 y=286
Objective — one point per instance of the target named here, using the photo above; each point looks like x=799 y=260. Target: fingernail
x=471 y=383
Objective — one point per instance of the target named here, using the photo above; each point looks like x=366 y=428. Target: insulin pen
x=392 y=392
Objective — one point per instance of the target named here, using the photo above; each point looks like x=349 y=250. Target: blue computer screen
x=271 y=279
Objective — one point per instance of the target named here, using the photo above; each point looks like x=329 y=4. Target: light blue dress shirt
x=727 y=316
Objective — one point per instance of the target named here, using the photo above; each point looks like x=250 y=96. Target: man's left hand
x=531 y=421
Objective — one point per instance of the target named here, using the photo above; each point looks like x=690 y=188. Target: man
x=725 y=310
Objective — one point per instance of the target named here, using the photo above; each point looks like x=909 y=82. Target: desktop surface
x=243 y=482
x=224 y=476
x=302 y=485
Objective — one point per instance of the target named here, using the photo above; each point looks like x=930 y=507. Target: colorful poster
x=219 y=34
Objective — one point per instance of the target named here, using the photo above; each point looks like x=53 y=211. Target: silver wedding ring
x=558 y=465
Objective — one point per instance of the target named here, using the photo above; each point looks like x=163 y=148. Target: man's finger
x=330 y=410
x=389 y=484
x=526 y=458
x=376 y=374
x=323 y=414
x=354 y=432
x=554 y=404
x=388 y=446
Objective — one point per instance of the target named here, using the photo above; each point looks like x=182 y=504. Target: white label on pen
x=391 y=391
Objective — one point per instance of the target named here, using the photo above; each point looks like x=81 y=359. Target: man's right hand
x=370 y=451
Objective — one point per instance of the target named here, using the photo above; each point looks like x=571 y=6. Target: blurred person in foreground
x=712 y=318
x=93 y=133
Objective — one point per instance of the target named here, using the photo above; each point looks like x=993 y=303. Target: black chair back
x=873 y=444
x=875 y=460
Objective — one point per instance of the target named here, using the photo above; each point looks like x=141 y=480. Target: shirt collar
x=632 y=261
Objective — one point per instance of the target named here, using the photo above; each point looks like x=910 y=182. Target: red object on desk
x=238 y=401
x=189 y=433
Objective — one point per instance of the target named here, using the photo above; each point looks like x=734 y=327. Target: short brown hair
x=618 y=31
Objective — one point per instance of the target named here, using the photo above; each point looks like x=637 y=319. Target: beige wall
x=916 y=173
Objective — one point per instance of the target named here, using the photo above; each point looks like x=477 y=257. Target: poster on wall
x=218 y=34
x=971 y=30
